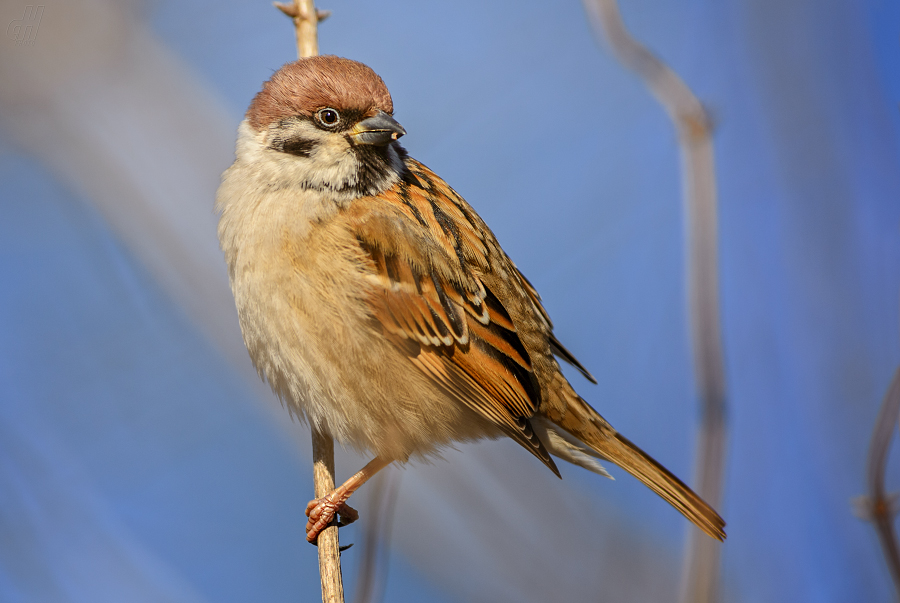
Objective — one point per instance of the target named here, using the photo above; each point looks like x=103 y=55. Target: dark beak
x=378 y=130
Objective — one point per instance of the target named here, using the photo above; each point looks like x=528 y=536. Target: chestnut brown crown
x=313 y=83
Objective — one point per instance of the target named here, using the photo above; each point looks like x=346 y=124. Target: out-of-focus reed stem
x=373 y=564
x=700 y=581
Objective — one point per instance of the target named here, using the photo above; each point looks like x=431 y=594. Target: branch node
x=289 y=9
x=697 y=125
x=868 y=509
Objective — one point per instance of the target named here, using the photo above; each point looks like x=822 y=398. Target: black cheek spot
x=301 y=147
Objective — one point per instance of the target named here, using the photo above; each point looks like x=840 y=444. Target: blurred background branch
x=375 y=548
x=700 y=582
x=879 y=507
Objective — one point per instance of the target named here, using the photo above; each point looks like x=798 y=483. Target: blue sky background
x=138 y=461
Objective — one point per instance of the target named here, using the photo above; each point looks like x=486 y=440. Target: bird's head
x=328 y=122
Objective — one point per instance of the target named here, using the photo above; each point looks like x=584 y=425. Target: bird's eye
x=328 y=117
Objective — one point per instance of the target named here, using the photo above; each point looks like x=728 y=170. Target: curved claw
x=321 y=513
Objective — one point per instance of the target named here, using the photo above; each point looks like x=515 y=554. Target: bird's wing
x=426 y=253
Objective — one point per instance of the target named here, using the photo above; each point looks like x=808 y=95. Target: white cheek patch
x=295 y=154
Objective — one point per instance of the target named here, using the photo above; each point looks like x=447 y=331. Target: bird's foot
x=321 y=512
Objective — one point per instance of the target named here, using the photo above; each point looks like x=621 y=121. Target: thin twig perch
x=306 y=20
x=694 y=134
x=329 y=546
x=306 y=23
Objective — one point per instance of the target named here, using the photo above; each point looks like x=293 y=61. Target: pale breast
x=301 y=294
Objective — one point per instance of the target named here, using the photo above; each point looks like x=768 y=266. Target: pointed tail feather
x=587 y=425
x=659 y=479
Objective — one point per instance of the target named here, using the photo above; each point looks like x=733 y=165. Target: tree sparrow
x=380 y=307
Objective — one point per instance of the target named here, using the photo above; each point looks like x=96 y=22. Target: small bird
x=381 y=308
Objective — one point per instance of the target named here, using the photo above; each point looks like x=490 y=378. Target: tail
x=587 y=425
x=659 y=479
